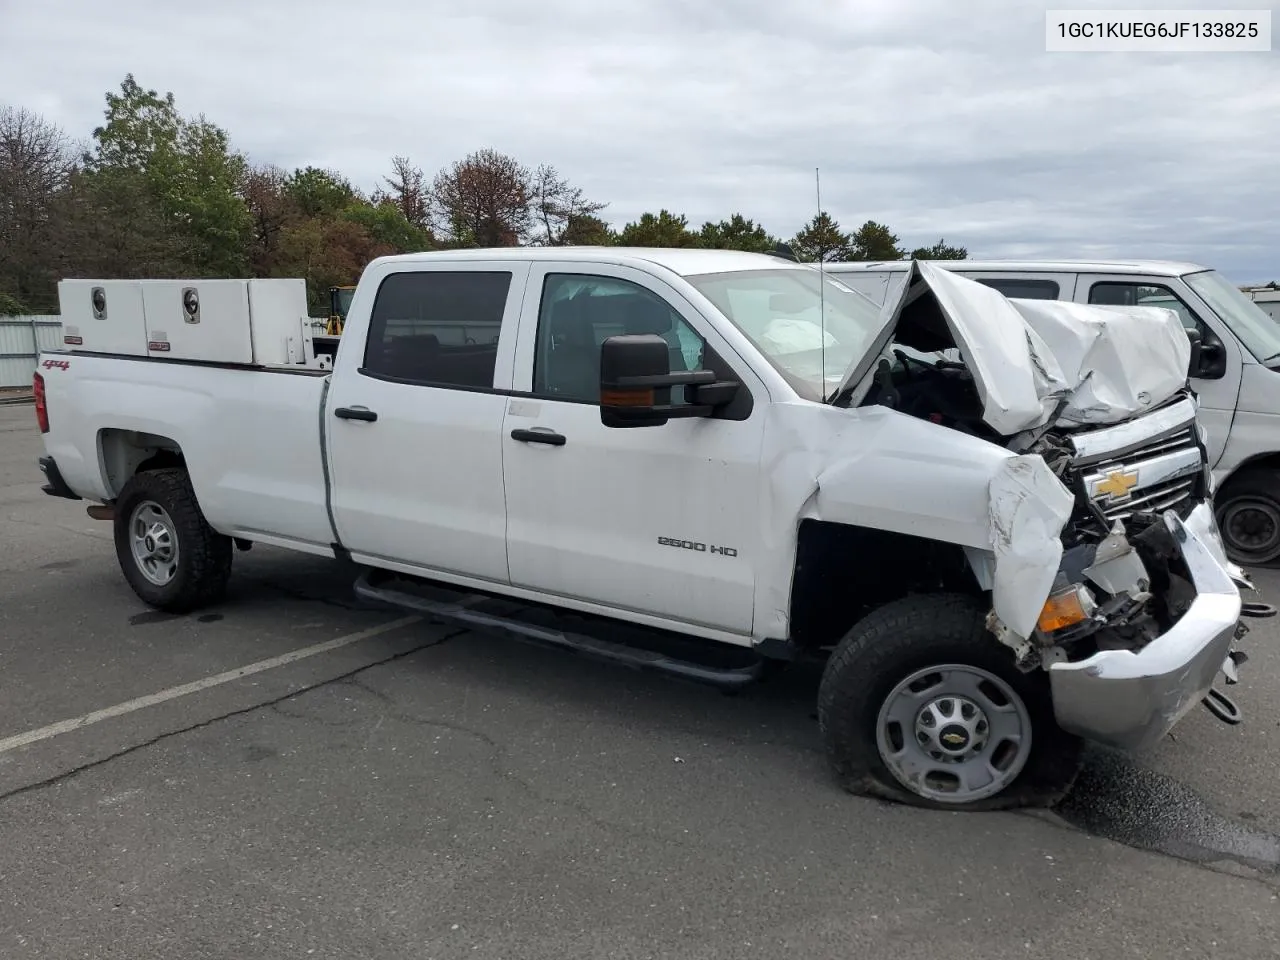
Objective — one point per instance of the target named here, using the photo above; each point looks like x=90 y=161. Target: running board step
x=536 y=623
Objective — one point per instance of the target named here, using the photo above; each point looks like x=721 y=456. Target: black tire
x=1247 y=508
x=203 y=556
x=919 y=633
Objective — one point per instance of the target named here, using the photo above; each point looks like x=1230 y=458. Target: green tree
x=940 y=251
x=205 y=195
x=189 y=168
x=665 y=229
x=875 y=241
x=111 y=224
x=585 y=230
x=11 y=306
x=141 y=128
x=319 y=193
x=737 y=233
x=822 y=239
x=387 y=226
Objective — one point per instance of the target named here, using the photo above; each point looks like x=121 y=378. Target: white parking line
x=151 y=699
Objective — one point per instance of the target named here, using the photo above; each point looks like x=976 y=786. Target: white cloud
x=940 y=119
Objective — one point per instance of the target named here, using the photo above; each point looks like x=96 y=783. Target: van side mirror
x=1197 y=339
x=1208 y=357
x=636 y=381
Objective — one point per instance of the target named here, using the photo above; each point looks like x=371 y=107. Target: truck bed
x=250 y=436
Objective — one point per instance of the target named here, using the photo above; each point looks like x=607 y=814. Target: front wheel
x=170 y=555
x=920 y=704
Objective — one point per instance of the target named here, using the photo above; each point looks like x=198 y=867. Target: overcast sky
x=943 y=119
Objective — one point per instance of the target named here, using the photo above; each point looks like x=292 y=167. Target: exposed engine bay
x=1121 y=581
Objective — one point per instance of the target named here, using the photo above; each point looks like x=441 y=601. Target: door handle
x=538 y=436
x=355 y=413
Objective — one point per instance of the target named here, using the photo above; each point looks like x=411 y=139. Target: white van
x=1237 y=376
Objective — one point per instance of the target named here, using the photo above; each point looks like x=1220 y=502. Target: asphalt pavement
x=291 y=775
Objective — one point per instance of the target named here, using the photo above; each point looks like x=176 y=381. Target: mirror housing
x=1197 y=339
x=636 y=381
x=1208 y=357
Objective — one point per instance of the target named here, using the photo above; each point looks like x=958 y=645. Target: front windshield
x=780 y=311
x=1257 y=331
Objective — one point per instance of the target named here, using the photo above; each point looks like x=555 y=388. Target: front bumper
x=1130 y=700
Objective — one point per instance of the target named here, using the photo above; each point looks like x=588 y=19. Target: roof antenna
x=822 y=289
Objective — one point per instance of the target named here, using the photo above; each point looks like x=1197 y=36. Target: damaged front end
x=1144 y=607
x=1102 y=557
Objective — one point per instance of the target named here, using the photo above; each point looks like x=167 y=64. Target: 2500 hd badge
x=697 y=546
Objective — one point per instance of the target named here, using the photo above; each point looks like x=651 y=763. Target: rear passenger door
x=414 y=420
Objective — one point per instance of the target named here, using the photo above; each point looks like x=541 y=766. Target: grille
x=1152 y=477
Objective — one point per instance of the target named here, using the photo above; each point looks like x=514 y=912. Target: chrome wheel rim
x=155 y=543
x=954 y=733
x=1250 y=527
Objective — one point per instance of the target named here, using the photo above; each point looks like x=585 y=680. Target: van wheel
x=920 y=704
x=170 y=555
x=1248 y=514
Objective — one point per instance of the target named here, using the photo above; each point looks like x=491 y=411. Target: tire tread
x=906 y=632
x=204 y=554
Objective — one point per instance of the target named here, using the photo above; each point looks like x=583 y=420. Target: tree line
x=154 y=193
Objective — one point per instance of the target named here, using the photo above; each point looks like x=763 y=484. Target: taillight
x=42 y=411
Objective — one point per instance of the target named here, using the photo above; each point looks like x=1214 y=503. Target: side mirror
x=636 y=381
x=1208 y=357
x=1197 y=340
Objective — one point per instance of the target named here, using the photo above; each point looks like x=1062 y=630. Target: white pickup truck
x=702 y=462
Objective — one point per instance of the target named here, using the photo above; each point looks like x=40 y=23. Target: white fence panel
x=22 y=339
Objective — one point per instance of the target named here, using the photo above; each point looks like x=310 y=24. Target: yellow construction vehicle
x=339 y=304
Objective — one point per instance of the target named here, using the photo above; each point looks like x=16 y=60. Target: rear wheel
x=920 y=704
x=170 y=555
x=1248 y=514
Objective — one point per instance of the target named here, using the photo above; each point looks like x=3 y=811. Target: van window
x=1129 y=294
x=1023 y=289
x=1257 y=330
x=437 y=327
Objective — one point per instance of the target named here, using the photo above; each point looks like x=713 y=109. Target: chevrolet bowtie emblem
x=1117 y=484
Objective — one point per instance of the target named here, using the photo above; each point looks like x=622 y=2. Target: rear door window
x=438 y=327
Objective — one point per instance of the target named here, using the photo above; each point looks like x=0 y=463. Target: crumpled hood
x=1029 y=356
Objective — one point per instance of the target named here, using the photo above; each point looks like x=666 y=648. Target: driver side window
x=579 y=312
